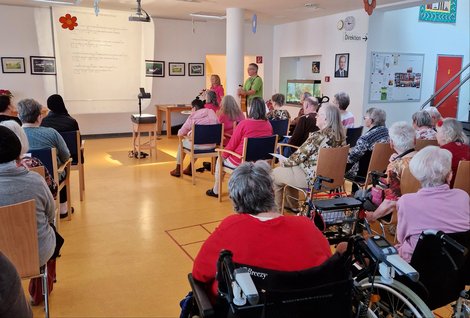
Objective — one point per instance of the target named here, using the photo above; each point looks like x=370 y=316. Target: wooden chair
x=40 y=170
x=77 y=151
x=201 y=135
x=254 y=149
x=352 y=135
x=462 y=177
x=19 y=242
x=48 y=157
x=421 y=143
x=280 y=127
x=331 y=164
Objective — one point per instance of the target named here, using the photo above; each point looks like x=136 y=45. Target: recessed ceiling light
x=311 y=6
x=208 y=15
x=66 y=2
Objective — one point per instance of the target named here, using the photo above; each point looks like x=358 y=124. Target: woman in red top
x=229 y=113
x=450 y=136
x=217 y=87
x=257 y=233
x=255 y=126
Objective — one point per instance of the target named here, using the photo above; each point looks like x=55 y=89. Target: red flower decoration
x=439 y=123
x=369 y=6
x=68 y=22
x=5 y=92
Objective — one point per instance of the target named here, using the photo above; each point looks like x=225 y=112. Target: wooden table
x=168 y=109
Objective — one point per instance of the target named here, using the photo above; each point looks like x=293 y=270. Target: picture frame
x=13 y=65
x=196 y=69
x=154 y=68
x=342 y=65
x=176 y=69
x=43 y=65
x=441 y=12
x=315 y=67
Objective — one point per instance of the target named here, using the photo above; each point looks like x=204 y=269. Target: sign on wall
x=395 y=77
x=443 y=11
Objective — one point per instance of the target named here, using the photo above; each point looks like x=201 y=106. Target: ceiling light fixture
x=65 y=2
x=208 y=15
x=138 y=16
x=312 y=6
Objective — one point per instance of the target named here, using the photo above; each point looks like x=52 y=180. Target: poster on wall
x=395 y=77
x=443 y=12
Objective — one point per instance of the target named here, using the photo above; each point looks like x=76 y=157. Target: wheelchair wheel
x=395 y=300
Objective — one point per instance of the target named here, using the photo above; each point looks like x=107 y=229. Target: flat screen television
x=295 y=89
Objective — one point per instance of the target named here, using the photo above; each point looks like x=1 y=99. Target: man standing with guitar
x=253 y=87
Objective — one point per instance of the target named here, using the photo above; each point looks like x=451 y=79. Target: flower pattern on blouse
x=31 y=162
x=394 y=171
x=426 y=133
x=278 y=114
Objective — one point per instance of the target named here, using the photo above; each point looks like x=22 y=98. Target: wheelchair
x=346 y=285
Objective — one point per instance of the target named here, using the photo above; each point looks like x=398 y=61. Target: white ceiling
x=268 y=11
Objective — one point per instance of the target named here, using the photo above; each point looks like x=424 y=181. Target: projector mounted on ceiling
x=140 y=14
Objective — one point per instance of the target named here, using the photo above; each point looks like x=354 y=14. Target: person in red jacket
x=257 y=234
x=256 y=125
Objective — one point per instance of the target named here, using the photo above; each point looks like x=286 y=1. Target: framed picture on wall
x=315 y=67
x=13 y=65
x=43 y=65
x=342 y=65
x=154 y=68
x=176 y=69
x=196 y=69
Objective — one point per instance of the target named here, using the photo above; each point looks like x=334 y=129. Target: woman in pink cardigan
x=217 y=87
x=199 y=116
x=255 y=126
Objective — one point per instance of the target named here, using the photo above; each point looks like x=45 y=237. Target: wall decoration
x=395 y=77
x=176 y=68
x=43 y=65
x=315 y=67
x=154 y=68
x=444 y=12
x=196 y=69
x=5 y=92
x=369 y=6
x=342 y=65
x=68 y=22
x=13 y=65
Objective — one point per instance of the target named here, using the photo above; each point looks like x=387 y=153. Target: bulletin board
x=395 y=77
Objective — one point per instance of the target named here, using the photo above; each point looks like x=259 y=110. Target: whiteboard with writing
x=395 y=77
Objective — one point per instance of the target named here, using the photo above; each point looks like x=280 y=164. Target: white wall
x=320 y=37
x=412 y=36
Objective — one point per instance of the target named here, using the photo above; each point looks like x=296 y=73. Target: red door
x=447 y=66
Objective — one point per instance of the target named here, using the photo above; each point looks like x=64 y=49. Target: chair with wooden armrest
x=77 y=152
x=462 y=180
x=421 y=143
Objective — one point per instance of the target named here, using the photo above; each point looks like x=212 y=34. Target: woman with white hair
x=435 y=206
x=450 y=136
x=402 y=140
x=299 y=169
x=422 y=123
x=434 y=113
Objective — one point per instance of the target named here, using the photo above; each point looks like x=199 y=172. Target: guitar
x=243 y=101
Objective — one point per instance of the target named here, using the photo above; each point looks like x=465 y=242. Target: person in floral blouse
x=422 y=123
x=278 y=113
x=402 y=140
x=300 y=168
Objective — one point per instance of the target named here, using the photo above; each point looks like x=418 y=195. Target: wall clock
x=349 y=23
x=340 y=25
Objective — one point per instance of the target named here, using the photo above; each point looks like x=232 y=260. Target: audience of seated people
x=450 y=136
x=435 y=206
x=217 y=87
x=7 y=109
x=434 y=113
x=17 y=185
x=270 y=240
x=211 y=101
x=256 y=125
x=29 y=161
x=422 y=123
x=199 y=116
x=29 y=112
x=278 y=113
x=58 y=116
x=299 y=169
x=402 y=141
x=228 y=114
x=341 y=100
x=359 y=156
x=306 y=124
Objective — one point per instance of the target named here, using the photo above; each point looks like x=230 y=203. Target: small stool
x=140 y=126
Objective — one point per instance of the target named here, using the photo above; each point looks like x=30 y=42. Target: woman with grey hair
x=434 y=113
x=435 y=206
x=211 y=101
x=359 y=156
x=255 y=126
x=450 y=136
x=422 y=123
x=341 y=100
x=257 y=234
x=299 y=169
x=402 y=141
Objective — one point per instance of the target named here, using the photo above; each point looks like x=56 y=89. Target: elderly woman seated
x=450 y=136
x=402 y=140
x=299 y=169
x=270 y=240
x=435 y=206
x=435 y=115
x=422 y=123
x=278 y=113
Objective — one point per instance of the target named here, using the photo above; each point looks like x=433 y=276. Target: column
x=235 y=50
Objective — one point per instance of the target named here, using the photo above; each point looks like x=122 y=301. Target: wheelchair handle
x=317 y=185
